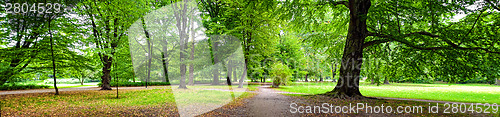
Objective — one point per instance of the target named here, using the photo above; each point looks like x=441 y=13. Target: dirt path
x=268 y=103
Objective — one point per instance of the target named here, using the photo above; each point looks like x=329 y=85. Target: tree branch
x=335 y=3
x=388 y=38
x=493 y=5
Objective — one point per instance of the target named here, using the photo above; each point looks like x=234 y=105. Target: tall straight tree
x=182 y=12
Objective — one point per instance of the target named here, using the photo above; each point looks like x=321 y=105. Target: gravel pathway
x=268 y=103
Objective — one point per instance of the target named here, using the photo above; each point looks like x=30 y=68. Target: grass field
x=473 y=93
x=157 y=101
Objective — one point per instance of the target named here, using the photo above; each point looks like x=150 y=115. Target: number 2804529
x=41 y=8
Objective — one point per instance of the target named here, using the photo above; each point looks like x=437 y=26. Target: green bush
x=9 y=86
x=280 y=74
x=132 y=84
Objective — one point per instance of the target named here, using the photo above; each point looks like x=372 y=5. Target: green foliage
x=9 y=86
x=280 y=74
x=131 y=84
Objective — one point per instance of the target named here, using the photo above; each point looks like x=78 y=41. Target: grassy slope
x=475 y=93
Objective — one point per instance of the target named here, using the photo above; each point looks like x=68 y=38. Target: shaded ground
x=269 y=103
x=264 y=101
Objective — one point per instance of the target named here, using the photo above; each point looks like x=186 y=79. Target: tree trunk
x=106 y=70
x=82 y=80
x=321 y=77
x=386 y=80
x=165 y=65
x=333 y=72
x=150 y=54
x=215 y=70
x=348 y=85
x=498 y=81
x=244 y=74
x=229 y=71
x=53 y=60
x=180 y=12
x=191 y=65
x=235 y=77
x=306 y=77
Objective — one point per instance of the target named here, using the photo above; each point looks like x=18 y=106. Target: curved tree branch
x=389 y=38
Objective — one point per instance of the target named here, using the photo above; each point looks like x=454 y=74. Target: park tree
x=21 y=34
x=109 y=21
x=421 y=26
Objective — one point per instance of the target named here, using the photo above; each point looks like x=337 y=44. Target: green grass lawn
x=473 y=93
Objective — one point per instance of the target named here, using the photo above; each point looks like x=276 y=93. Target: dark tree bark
x=348 y=85
x=306 y=77
x=334 y=69
x=320 y=77
x=149 y=50
x=229 y=71
x=106 y=70
x=53 y=60
x=165 y=63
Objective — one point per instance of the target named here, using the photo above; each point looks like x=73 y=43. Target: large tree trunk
x=106 y=70
x=348 y=85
